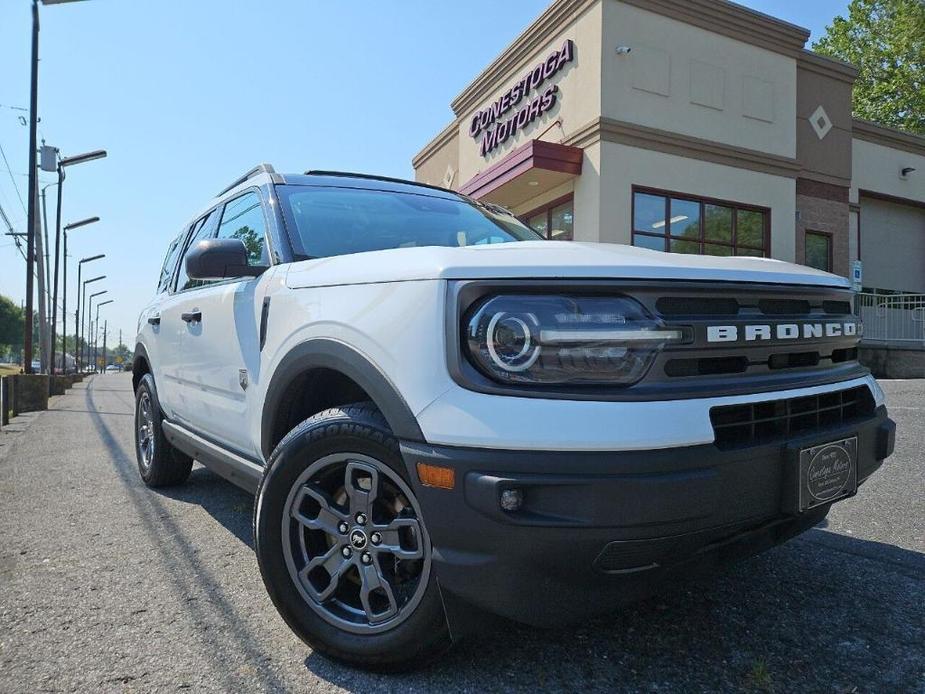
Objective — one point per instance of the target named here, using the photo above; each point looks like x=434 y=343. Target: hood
x=547 y=260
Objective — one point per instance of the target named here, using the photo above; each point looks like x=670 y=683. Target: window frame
x=267 y=248
x=547 y=209
x=220 y=210
x=165 y=284
x=830 y=244
x=702 y=201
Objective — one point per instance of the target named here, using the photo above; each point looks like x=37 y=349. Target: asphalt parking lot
x=108 y=586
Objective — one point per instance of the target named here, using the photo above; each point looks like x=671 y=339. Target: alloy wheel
x=145 y=430
x=354 y=543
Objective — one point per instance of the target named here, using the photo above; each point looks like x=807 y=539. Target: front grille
x=774 y=420
x=789 y=338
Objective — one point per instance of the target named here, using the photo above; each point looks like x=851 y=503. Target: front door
x=221 y=336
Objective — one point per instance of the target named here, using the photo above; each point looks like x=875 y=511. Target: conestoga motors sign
x=530 y=111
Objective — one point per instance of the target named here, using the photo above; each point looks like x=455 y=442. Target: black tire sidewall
x=422 y=634
x=168 y=466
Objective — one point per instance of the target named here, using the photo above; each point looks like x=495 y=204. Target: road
x=108 y=586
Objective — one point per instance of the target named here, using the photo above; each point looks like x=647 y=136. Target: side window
x=203 y=229
x=243 y=219
x=170 y=262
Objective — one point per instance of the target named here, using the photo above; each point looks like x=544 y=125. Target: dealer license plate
x=828 y=472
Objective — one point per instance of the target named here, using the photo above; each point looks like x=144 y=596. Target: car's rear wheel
x=342 y=544
x=159 y=463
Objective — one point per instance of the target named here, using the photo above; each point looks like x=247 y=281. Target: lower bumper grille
x=762 y=422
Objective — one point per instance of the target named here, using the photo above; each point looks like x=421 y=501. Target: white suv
x=444 y=416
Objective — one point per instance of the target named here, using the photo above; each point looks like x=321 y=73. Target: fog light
x=512 y=500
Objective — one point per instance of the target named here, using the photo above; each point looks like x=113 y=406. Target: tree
x=885 y=40
x=11 y=323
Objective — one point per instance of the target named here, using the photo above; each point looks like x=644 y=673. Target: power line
x=12 y=178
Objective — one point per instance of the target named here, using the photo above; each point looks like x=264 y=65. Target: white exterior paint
x=544 y=259
x=390 y=307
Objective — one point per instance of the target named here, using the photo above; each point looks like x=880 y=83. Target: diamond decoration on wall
x=821 y=122
x=449 y=176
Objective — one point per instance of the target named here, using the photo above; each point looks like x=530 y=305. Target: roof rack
x=259 y=169
x=373 y=177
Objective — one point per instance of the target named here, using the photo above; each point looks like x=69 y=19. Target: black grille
x=763 y=422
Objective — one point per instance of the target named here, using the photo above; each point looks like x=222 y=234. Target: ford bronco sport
x=443 y=415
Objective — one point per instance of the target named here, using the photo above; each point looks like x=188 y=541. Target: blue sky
x=186 y=96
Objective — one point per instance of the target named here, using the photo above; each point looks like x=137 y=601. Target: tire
x=311 y=474
x=159 y=463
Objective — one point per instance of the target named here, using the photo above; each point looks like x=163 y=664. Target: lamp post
x=83 y=311
x=96 y=336
x=67 y=228
x=91 y=337
x=77 y=313
x=62 y=165
x=33 y=180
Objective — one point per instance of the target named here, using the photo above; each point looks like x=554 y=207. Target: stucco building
x=693 y=127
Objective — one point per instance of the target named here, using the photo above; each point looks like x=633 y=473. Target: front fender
x=324 y=353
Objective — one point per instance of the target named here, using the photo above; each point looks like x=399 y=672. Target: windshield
x=327 y=221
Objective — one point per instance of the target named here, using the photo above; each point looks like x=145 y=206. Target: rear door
x=160 y=343
x=172 y=328
x=220 y=332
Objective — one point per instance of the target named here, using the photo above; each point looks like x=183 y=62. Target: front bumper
x=600 y=529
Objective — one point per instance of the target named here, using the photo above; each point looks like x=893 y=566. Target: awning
x=530 y=170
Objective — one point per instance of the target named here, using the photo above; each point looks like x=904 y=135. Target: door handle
x=155 y=319
x=194 y=316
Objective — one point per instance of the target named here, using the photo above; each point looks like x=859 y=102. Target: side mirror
x=218 y=259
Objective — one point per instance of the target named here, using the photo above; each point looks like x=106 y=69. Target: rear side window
x=243 y=219
x=202 y=229
x=170 y=263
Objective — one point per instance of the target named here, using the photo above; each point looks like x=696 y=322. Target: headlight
x=565 y=339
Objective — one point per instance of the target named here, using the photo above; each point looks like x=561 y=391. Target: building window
x=554 y=221
x=684 y=224
x=817 y=248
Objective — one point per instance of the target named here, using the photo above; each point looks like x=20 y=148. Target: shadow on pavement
x=825 y=612
x=218 y=618
x=226 y=503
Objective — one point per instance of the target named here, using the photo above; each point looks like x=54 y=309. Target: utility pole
x=105 y=332
x=33 y=188
x=42 y=293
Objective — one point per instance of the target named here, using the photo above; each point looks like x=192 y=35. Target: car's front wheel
x=342 y=545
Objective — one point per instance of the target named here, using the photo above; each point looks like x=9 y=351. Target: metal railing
x=892 y=317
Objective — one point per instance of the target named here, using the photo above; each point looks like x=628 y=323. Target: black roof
x=358 y=180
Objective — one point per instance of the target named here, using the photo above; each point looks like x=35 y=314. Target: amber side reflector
x=436 y=476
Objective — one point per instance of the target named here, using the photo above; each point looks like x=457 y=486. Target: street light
x=67 y=228
x=33 y=179
x=62 y=165
x=96 y=333
x=83 y=311
x=77 y=313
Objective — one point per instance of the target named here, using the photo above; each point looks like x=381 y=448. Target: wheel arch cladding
x=340 y=358
x=141 y=365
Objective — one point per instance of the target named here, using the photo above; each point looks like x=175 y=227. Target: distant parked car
x=113 y=368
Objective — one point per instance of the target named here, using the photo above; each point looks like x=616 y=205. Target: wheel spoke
x=334 y=563
x=328 y=514
x=361 y=500
x=392 y=535
x=372 y=581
